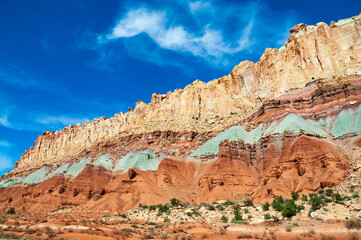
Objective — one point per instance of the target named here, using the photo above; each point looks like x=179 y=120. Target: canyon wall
x=311 y=52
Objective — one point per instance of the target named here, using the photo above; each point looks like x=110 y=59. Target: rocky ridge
x=311 y=52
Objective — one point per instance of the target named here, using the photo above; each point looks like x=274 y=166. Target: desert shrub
x=248 y=236
x=338 y=198
x=175 y=202
x=220 y=207
x=347 y=198
x=294 y=195
x=134 y=226
x=289 y=209
x=353 y=223
x=277 y=203
x=210 y=207
x=11 y=211
x=300 y=207
x=316 y=202
x=152 y=207
x=304 y=198
x=321 y=191
x=237 y=215
x=228 y=202
x=267 y=216
x=265 y=206
x=329 y=192
x=163 y=208
x=224 y=219
x=328 y=200
x=355 y=195
x=248 y=202
x=246 y=210
x=166 y=220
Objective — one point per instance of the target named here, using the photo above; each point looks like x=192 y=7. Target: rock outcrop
x=290 y=122
x=311 y=52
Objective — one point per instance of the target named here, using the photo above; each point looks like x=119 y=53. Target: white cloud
x=222 y=34
x=208 y=42
x=199 y=6
x=4 y=120
x=63 y=120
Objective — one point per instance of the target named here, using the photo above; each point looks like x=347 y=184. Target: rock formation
x=312 y=52
x=290 y=122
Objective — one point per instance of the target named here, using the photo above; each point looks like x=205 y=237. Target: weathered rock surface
x=266 y=129
x=312 y=52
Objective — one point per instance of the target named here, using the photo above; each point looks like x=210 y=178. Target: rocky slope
x=290 y=122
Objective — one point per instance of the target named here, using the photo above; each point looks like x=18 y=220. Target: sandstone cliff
x=312 y=52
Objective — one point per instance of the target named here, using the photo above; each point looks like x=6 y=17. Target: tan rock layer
x=312 y=52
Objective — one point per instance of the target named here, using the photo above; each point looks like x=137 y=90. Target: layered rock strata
x=311 y=52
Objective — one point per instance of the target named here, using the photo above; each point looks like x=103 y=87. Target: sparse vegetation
x=353 y=223
x=224 y=219
x=11 y=211
x=295 y=195
x=265 y=206
x=249 y=202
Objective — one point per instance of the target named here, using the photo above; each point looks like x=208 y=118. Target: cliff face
x=312 y=52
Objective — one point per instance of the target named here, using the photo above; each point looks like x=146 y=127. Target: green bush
x=220 y=207
x=152 y=207
x=321 y=191
x=237 y=220
x=355 y=195
x=289 y=209
x=11 y=211
x=267 y=216
x=237 y=214
x=304 y=198
x=228 y=202
x=329 y=192
x=224 y=219
x=277 y=203
x=295 y=195
x=265 y=206
x=175 y=202
x=163 y=208
x=338 y=198
x=210 y=207
x=248 y=202
x=316 y=202
x=300 y=207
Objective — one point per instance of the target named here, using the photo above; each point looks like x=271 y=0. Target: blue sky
x=64 y=62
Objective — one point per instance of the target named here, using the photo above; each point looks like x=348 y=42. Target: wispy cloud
x=197 y=6
x=62 y=120
x=4 y=121
x=216 y=32
x=208 y=42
